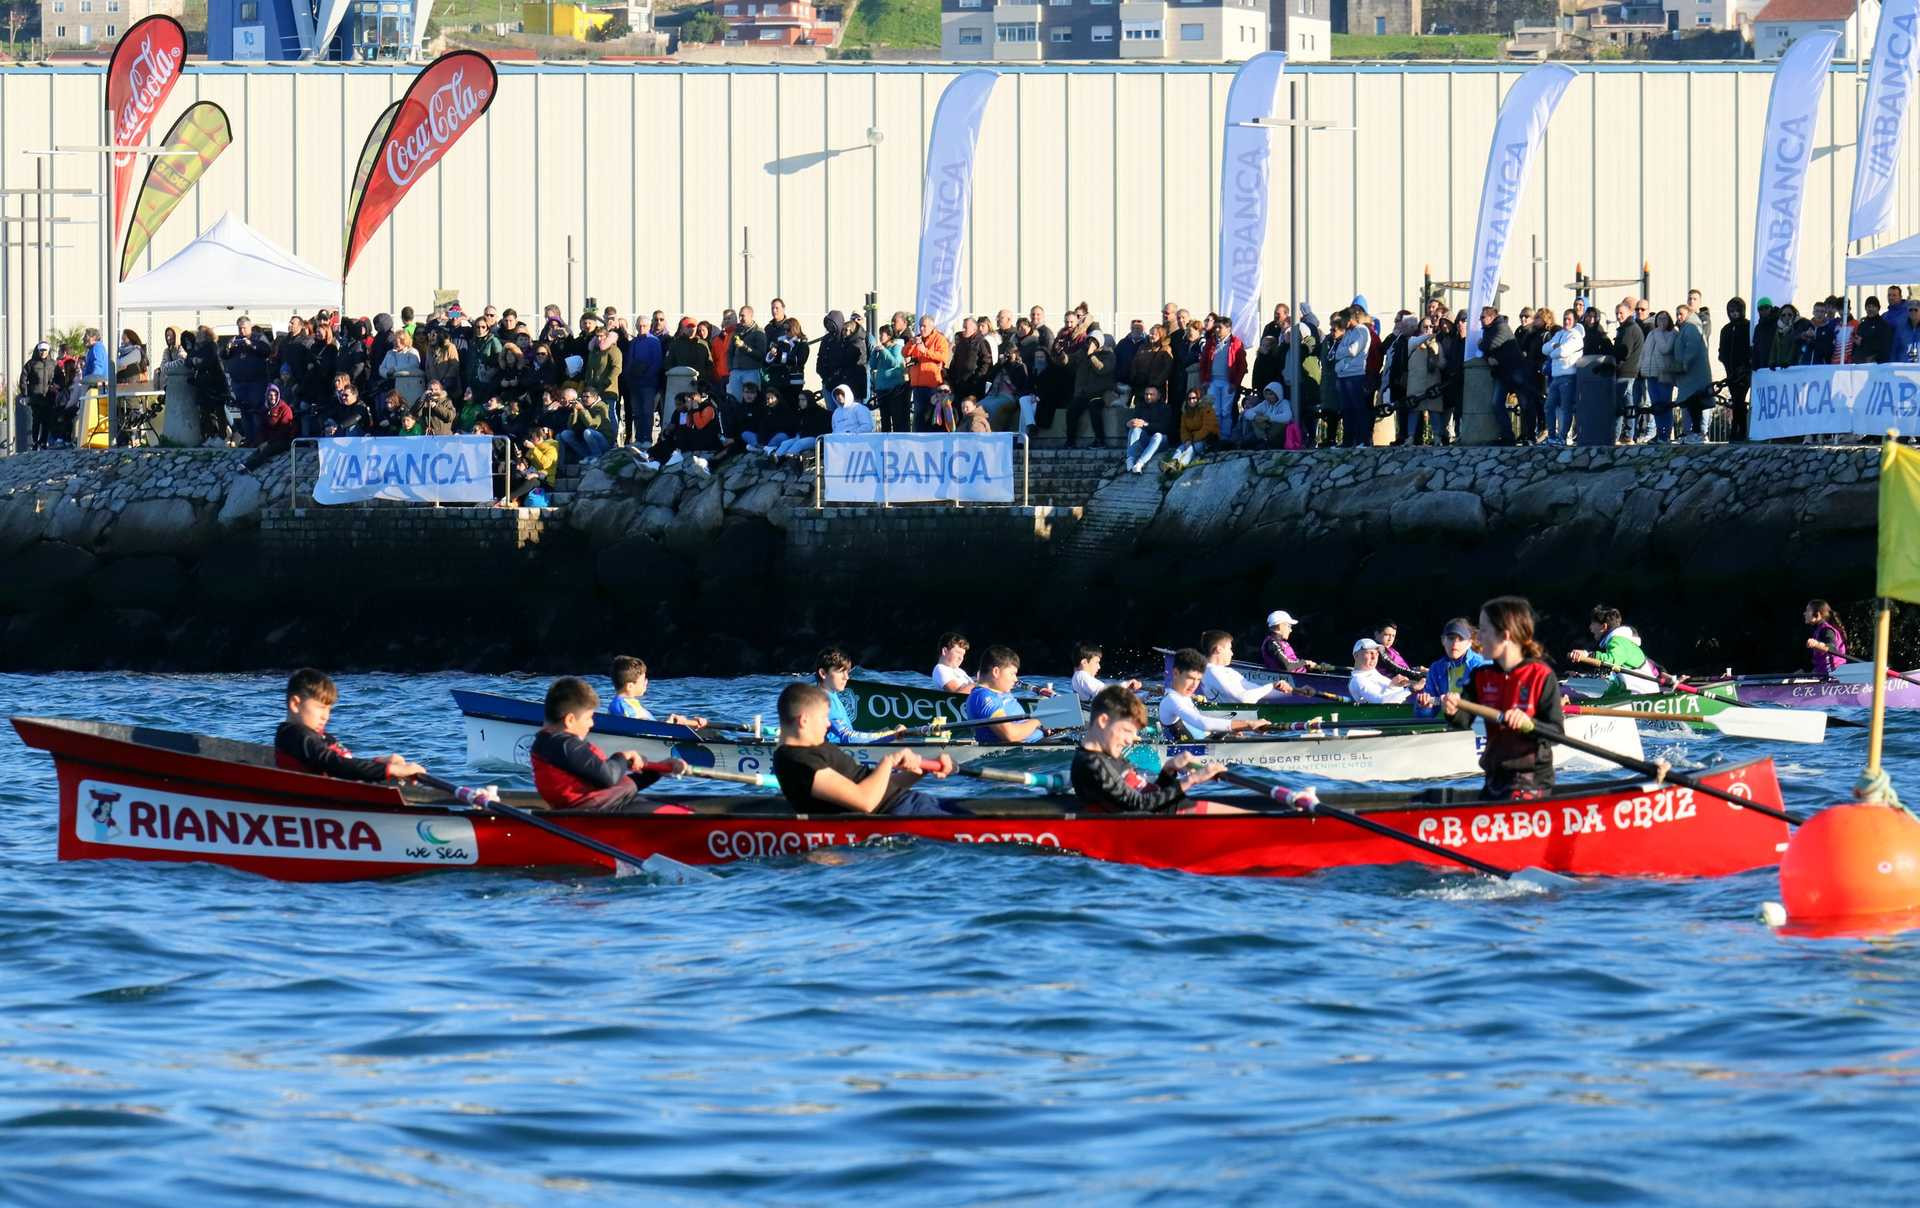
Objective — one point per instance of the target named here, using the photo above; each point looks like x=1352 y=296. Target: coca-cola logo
x=449 y=109
x=150 y=75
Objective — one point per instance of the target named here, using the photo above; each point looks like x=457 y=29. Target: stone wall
x=182 y=559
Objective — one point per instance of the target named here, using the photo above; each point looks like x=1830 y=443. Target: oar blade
x=1540 y=878
x=670 y=871
x=1771 y=725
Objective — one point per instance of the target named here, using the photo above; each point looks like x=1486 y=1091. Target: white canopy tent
x=1897 y=263
x=231 y=267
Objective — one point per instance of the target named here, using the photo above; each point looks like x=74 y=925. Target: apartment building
x=775 y=22
x=1214 y=31
x=1304 y=29
x=91 y=22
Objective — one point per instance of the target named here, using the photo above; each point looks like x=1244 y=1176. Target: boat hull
x=1811 y=693
x=121 y=796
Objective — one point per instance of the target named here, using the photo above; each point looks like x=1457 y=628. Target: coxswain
x=302 y=744
x=1105 y=782
x=817 y=776
x=572 y=773
x=1087 y=683
x=831 y=670
x=1449 y=673
x=1177 y=707
x=1517 y=681
x=1222 y=681
x=993 y=696
x=1619 y=650
x=1276 y=649
x=630 y=684
x=1368 y=685
x=947 y=675
x=1390 y=657
x=1828 y=638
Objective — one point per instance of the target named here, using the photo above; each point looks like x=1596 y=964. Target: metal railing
x=820 y=481
x=500 y=475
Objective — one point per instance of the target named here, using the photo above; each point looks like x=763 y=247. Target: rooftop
x=1806 y=10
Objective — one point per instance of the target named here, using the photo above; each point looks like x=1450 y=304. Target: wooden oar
x=1773 y=725
x=1668 y=681
x=624 y=863
x=1530 y=876
x=1660 y=771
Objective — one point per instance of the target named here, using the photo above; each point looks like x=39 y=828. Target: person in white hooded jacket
x=1268 y=418
x=1563 y=350
x=850 y=416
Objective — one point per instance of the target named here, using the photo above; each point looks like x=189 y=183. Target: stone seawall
x=181 y=559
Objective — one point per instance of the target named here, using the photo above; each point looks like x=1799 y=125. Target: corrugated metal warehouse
x=1095 y=184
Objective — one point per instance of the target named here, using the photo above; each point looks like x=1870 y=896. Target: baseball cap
x=1280 y=616
x=1457 y=629
x=1365 y=644
x=42 y=347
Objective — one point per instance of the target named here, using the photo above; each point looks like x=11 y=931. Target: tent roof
x=231 y=267
x=1895 y=264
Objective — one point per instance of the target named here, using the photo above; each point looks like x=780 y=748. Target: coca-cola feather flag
x=144 y=69
x=445 y=101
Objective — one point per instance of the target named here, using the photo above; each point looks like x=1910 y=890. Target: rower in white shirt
x=947 y=675
x=1367 y=686
x=1087 y=683
x=1178 y=710
x=1223 y=681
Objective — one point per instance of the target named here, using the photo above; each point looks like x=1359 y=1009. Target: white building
x=1783 y=22
x=92 y=22
x=1686 y=15
x=1302 y=28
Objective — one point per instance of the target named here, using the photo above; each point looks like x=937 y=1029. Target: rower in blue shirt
x=992 y=696
x=831 y=671
x=1449 y=675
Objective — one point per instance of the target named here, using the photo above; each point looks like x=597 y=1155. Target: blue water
x=916 y=1026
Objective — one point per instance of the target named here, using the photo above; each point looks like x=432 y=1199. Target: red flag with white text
x=144 y=68
x=445 y=100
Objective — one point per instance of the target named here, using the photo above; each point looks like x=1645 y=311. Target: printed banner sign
x=1883 y=120
x=1792 y=106
x=144 y=68
x=445 y=100
x=1821 y=400
x=948 y=194
x=919 y=467
x=1517 y=135
x=417 y=469
x=1245 y=184
x=204 y=130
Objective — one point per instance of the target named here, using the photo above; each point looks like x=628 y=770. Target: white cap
x=1366 y=644
x=1280 y=616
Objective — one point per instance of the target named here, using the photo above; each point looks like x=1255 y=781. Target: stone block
x=1450 y=515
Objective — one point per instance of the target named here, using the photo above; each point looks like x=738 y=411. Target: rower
x=1105 y=782
x=1828 y=638
x=1517 y=681
x=1276 y=649
x=818 y=777
x=1223 y=681
x=302 y=744
x=831 y=670
x=1178 y=710
x=574 y=774
x=1619 y=649
x=1385 y=633
x=1368 y=685
x=630 y=684
x=947 y=675
x=1449 y=673
x=993 y=697
x=1087 y=683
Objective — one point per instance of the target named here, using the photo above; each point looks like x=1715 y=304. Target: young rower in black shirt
x=816 y=775
x=1105 y=782
x=301 y=744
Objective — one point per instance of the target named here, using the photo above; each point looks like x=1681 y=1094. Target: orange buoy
x=1852 y=860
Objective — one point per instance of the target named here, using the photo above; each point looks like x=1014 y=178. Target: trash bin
x=1596 y=412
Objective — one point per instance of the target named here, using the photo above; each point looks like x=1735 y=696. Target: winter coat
x=1692 y=374
x=1198 y=424
x=927 y=360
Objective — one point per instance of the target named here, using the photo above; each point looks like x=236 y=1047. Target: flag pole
x=1882 y=627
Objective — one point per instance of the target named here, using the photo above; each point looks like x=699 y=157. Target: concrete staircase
x=1067 y=478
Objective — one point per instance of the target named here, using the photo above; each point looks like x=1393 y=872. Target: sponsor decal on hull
x=117 y=815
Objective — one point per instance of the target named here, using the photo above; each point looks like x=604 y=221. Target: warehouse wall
x=1096 y=183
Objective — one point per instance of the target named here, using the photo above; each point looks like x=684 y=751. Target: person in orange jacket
x=927 y=361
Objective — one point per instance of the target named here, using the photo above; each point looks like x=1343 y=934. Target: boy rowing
x=1276 y=649
x=947 y=675
x=1178 y=710
x=630 y=684
x=572 y=773
x=816 y=776
x=993 y=697
x=1222 y=681
x=302 y=744
x=831 y=670
x=1449 y=673
x=1087 y=683
x=1619 y=650
x=1104 y=781
x=1368 y=685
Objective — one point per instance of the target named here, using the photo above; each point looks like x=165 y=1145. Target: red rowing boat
x=133 y=793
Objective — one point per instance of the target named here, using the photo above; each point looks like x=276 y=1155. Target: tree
x=612 y=31
x=17 y=16
x=703 y=26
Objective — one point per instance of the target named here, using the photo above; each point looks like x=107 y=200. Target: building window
x=1103 y=33
x=769 y=35
x=59 y=31
x=113 y=6
x=86 y=6
x=970 y=35
x=1140 y=31
x=1060 y=35
x=969 y=3
x=59 y=6
x=1703 y=19
x=112 y=32
x=1026 y=31
x=249 y=10
x=1192 y=31
x=732 y=10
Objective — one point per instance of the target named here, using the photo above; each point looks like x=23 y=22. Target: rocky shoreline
x=182 y=560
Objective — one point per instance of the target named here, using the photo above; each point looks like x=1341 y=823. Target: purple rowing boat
x=1811 y=692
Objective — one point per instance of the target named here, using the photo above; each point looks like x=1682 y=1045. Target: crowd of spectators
x=1171 y=388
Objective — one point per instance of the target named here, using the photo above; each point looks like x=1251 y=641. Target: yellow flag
x=1899 y=564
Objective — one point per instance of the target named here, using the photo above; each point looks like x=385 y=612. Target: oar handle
x=1668 y=681
x=759 y=780
x=1656 y=771
x=1300 y=799
x=1053 y=782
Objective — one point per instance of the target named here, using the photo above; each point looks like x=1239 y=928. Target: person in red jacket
x=302 y=743
x=927 y=361
x=1223 y=366
x=573 y=774
x=1521 y=685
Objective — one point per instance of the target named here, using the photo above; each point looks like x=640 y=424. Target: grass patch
x=906 y=24
x=1412 y=46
